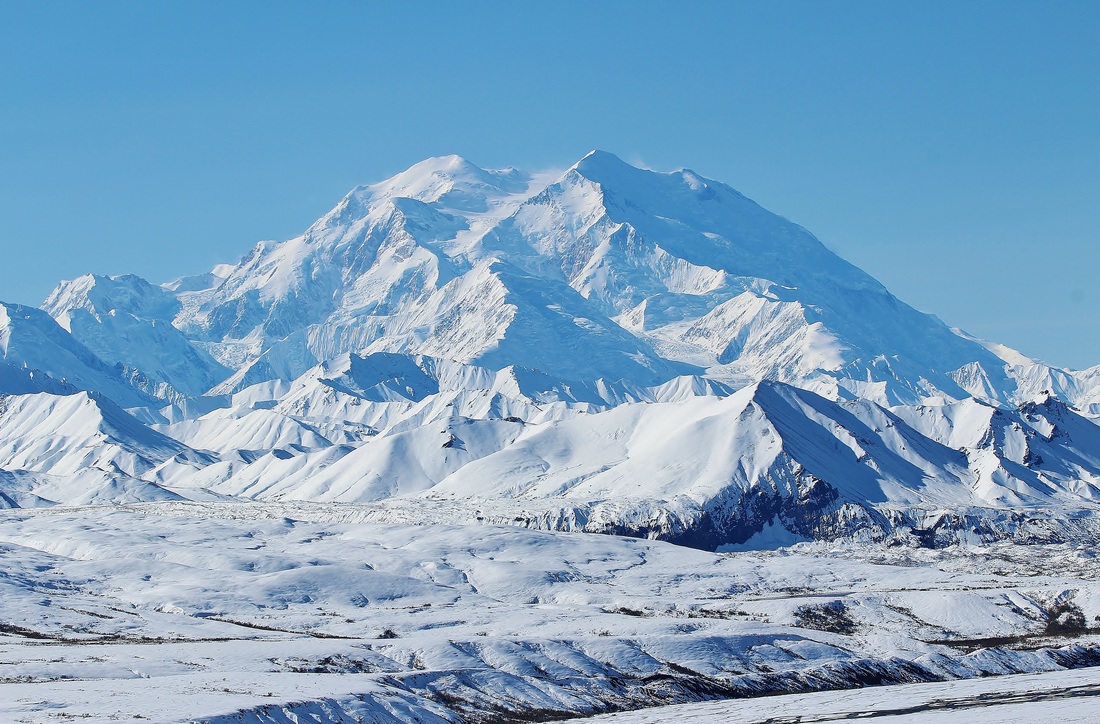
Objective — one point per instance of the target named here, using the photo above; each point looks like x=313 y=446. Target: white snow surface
x=416 y=439
x=355 y=475
x=606 y=348
x=1014 y=699
x=205 y=612
x=38 y=355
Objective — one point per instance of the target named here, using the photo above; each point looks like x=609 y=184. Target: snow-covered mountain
x=321 y=460
x=125 y=321
x=36 y=354
x=607 y=349
x=605 y=271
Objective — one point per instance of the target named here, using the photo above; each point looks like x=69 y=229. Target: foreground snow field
x=169 y=612
x=1063 y=696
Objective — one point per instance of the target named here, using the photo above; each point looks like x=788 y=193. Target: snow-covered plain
x=196 y=613
x=1014 y=699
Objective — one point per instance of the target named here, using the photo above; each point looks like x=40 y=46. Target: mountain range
x=607 y=349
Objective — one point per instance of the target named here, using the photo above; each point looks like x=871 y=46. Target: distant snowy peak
x=706 y=223
x=708 y=275
x=102 y=295
x=200 y=282
x=449 y=182
x=127 y=321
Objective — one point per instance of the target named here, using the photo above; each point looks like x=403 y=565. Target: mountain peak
x=449 y=164
x=666 y=193
x=666 y=267
x=597 y=158
x=449 y=182
x=101 y=294
x=605 y=167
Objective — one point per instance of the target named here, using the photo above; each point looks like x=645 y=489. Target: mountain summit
x=605 y=271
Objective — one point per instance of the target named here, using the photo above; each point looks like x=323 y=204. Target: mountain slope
x=66 y=434
x=80 y=449
x=54 y=361
x=128 y=321
x=693 y=263
x=417 y=438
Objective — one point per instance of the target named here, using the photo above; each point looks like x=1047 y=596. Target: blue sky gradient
x=950 y=149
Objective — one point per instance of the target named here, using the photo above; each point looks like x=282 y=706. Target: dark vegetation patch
x=335 y=664
x=1065 y=618
x=832 y=617
x=624 y=611
x=261 y=627
x=10 y=628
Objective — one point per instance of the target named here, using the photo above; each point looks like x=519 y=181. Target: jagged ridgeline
x=607 y=349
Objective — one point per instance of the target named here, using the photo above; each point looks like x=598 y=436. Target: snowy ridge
x=690 y=461
x=37 y=354
x=123 y=320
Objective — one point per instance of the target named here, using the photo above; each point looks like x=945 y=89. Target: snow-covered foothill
x=194 y=612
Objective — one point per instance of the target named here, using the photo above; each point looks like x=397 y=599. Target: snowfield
x=1015 y=699
x=194 y=614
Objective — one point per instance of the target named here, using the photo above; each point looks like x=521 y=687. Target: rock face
x=607 y=349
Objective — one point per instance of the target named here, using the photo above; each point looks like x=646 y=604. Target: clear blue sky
x=950 y=149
